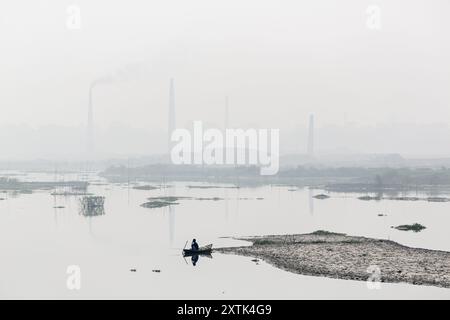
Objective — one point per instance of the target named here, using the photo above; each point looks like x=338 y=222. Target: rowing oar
x=183 y=252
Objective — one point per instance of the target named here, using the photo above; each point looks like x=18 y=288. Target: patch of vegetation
x=416 y=227
x=167 y=198
x=212 y=187
x=367 y=198
x=262 y=242
x=405 y=198
x=158 y=204
x=321 y=196
x=351 y=241
x=146 y=187
x=71 y=193
x=326 y=233
x=438 y=199
x=11 y=184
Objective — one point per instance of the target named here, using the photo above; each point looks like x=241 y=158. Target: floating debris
x=382 y=215
x=321 y=196
x=133 y=270
x=58 y=207
x=156 y=270
x=416 y=227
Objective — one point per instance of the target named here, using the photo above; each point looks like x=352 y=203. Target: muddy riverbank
x=348 y=257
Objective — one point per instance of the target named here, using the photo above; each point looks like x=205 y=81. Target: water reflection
x=171 y=219
x=226 y=204
x=195 y=257
x=311 y=201
x=128 y=231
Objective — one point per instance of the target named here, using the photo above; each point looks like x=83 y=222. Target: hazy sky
x=278 y=61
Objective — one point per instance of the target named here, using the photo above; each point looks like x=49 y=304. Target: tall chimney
x=311 y=136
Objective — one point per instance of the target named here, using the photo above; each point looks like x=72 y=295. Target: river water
x=38 y=242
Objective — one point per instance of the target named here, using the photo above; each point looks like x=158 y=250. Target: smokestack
x=90 y=125
x=171 y=124
x=311 y=136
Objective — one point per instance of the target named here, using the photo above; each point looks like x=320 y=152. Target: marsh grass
x=416 y=227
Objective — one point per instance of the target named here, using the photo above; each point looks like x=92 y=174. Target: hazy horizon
x=119 y=140
x=371 y=91
x=224 y=150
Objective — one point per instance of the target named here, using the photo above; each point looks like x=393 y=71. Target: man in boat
x=194 y=245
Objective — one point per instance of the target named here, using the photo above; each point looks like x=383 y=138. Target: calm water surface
x=39 y=242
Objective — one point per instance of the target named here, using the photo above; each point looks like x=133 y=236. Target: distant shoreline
x=340 y=256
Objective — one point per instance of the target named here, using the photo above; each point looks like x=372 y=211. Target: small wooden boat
x=205 y=250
